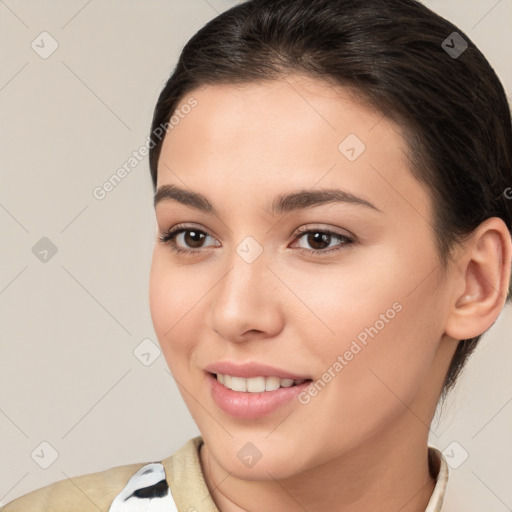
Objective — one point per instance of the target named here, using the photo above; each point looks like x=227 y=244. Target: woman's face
x=345 y=293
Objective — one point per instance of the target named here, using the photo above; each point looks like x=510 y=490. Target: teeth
x=238 y=384
x=256 y=384
x=271 y=383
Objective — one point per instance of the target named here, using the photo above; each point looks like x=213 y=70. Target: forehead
x=295 y=105
x=292 y=133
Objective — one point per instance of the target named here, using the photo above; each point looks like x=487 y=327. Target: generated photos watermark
x=344 y=359
x=100 y=192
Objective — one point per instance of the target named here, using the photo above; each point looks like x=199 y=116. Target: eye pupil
x=193 y=238
x=317 y=237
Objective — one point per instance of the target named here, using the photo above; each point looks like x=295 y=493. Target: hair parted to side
x=454 y=111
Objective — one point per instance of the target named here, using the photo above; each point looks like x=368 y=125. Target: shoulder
x=112 y=489
x=94 y=492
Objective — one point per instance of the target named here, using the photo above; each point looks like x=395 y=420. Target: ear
x=482 y=282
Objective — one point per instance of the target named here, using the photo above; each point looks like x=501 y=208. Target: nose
x=246 y=303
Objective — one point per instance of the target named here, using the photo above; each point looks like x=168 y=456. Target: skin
x=361 y=443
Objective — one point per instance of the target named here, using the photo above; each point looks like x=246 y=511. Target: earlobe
x=485 y=273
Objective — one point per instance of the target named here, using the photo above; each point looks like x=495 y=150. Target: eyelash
x=167 y=238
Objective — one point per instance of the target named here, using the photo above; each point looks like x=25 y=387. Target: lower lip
x=252 y=405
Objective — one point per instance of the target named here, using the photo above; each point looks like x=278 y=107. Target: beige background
x=69 y=327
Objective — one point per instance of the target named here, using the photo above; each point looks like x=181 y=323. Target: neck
x=384 y=473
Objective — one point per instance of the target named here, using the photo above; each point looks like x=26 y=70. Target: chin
x=268 y=467
x=258 y=456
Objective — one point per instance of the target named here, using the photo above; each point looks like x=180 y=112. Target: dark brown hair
x=399 y=57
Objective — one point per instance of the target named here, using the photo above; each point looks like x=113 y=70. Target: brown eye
x=320 y=241
x=185 y=239
x=193 y=238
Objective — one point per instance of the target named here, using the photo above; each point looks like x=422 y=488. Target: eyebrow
x=284 y=203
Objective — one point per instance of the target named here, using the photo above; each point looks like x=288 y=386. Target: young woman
x=332 y=194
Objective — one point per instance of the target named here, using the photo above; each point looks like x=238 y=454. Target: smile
x=254 y=397
x=256 y=384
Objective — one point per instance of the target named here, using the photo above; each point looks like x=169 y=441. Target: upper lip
x=253 y=369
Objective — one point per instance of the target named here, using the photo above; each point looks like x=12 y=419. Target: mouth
x=257 y=384
x=254 y=397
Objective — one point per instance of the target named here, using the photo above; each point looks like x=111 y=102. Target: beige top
x=137 y=487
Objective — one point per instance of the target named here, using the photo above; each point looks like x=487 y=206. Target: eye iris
x=317 y=237
x=194 y=238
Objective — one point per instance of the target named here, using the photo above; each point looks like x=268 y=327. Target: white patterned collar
x=147 y=490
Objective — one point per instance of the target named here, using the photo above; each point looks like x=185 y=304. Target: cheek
x=339 y=305
x=376 y=332
x=172 y=301
x=401 y=356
